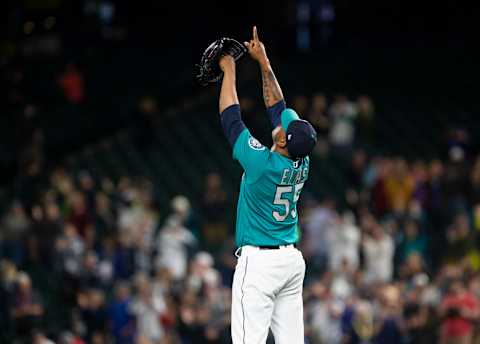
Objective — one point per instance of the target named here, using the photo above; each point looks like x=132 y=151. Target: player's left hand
x=256 y=48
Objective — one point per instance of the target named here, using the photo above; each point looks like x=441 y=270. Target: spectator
x=173 y=243
x=317 y=115
x=120 y=316
x=104 y=218
x=391 y=327
x=342 y=130
x=459 y=240
x=344 y=243
x=435 y=181
x=318 y=224
x=378 y=249
x=356 y=170
x=8 y=276
x=70 y=248
x=474 y=188
x=69 y=338
x=361 y=328
x=124 y=257
x=79 y=215
x=147 y=308
x=356 y=179
x=227 y=262
x=202 y=273
x=182 y=209
x=399 y=187
x=89 y=276
x=456 y=181
x=420 y=179
x=323 y=314
x=93 y=315
x=106 y=257
x=14 y=229
x=40 y=338
x=214 y=209
x=343 y=281
x=458 y=143
x=365 y=121
x=420 y=311
x=300 y=103
x=46 y=230
x=27 y=310
x=459 y=311
x=412 y=242
x=411 y=267
x=72 y=84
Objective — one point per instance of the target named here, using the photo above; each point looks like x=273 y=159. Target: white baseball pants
x=267 y=293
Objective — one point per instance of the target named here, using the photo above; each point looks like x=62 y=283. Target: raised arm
x=272 y=93
x=251 y=154
x=228 y=104
x=228 y=92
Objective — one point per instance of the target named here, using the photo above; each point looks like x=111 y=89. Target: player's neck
x=280 y=150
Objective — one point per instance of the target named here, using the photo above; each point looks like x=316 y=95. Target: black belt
x=266 y=247
x=273 y=247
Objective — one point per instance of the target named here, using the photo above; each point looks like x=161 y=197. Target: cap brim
x=288 y=116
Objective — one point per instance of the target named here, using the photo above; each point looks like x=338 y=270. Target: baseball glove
x=208 y=71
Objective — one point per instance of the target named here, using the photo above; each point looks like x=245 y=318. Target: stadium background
x=118 y=189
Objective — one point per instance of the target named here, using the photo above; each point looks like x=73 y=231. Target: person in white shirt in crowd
x=139 y=222
x=172 y=243
x=181 y=207
x=318 y=223
x=342 y=118
x=344 y=242
x=202 y=272
x=148 y=308
x=70 y=247
x=378 y=249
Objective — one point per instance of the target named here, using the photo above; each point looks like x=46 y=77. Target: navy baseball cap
x=301 y=136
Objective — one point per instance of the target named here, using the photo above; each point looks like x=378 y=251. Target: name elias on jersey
x=290 y=176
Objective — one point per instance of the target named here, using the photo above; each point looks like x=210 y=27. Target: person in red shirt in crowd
x=72 y=84
x=458 y=311
x=79 y=215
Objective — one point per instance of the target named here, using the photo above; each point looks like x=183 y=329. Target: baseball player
x=267 y=285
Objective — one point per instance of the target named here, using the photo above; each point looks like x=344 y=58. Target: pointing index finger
x=255 y=34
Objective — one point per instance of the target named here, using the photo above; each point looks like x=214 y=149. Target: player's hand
x=226 y=62
x=256 y=49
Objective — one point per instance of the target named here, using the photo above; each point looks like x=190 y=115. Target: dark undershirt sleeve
x=232 y=123
x=274 y=113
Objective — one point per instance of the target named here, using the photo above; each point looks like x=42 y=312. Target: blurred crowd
x=394 y=260
x=110 y=269
x=400 y=262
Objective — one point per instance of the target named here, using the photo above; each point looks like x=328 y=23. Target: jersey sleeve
x=232 y=123
x=275 y=111
x=251 y=154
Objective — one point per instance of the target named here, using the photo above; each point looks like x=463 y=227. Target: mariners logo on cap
x=255 y=144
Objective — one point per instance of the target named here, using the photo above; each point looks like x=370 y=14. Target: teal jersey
x=270 y=188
